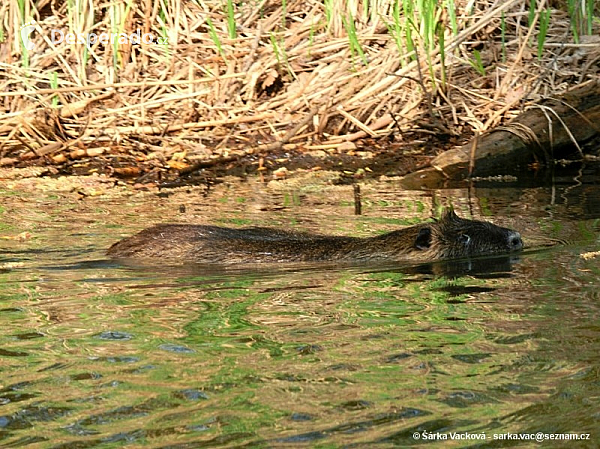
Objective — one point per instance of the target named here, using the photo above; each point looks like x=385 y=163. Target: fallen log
x=553 y=129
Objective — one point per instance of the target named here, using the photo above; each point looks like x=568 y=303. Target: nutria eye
x=464 y=239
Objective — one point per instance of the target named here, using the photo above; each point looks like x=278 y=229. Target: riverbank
x=270 y=88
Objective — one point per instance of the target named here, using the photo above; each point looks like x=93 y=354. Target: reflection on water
x=97 y=354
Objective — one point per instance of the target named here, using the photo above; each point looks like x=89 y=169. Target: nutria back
x=449 y=237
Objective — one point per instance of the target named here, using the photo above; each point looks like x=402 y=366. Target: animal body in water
x=447 y=238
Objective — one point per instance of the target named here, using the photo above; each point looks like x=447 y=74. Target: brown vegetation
x=289 y=79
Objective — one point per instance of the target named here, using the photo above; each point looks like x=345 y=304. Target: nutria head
x=452 y=237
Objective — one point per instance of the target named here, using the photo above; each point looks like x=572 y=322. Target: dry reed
x=291 y=76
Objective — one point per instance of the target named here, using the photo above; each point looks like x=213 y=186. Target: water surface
x=96 y=354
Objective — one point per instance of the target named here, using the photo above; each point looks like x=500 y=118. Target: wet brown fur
x=449 y=237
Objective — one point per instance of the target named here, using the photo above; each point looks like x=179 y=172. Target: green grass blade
x=503 y=36
x=477 y=63
x=544 y=24
x=231 y=26
x=355 y=47
x=212 y=32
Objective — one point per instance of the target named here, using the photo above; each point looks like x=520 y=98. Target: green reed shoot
x=24 y=51
x=544 y=23
x=441 y=43
x=164 y=28
x=54 y=85
x=477 y=63
x=503 y=36
x=396 y=31
x=452 y=16
x=369 y=11
x=21 y=6
x=283 y=12
x=581 y=16
x=212 y=32
x=428 y=10
x=355 y=47
x=275 y=46
x=531 y=15
x=409 y=14
x=400 y=32
x=328 y=4
x=421 y=21
x=572 y=8
x=426 y=23
x=589 y=16
x=280 y=54
x=231 y=26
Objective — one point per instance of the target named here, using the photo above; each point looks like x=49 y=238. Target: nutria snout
x=449 y=237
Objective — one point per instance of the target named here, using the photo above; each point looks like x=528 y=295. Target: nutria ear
x=448 y=214
x=423 y=240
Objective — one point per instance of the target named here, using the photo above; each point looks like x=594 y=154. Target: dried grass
x=288 y=78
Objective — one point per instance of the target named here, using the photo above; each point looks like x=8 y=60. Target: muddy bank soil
x=368 y=158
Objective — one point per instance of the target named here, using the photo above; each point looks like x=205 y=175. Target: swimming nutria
x=449 y=237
